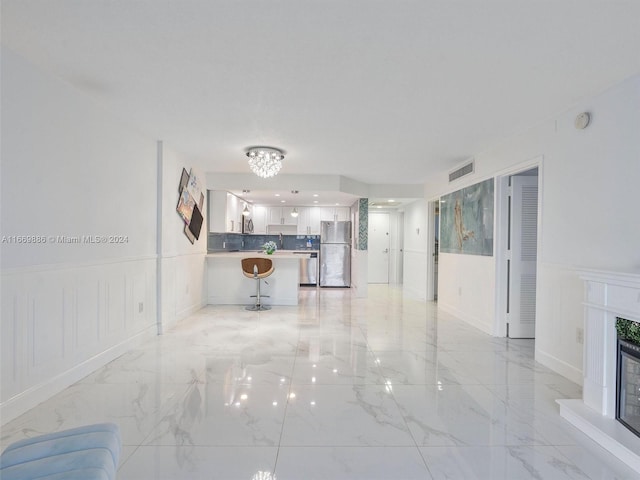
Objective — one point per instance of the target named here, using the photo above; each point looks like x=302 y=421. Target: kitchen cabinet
x=274 y=215
x=259 y=219
x=234 y=214
x=280 y=216
x=309 y=220
x=340 y=214
x=225 y=212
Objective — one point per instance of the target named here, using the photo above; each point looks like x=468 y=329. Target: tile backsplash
x=231 y=242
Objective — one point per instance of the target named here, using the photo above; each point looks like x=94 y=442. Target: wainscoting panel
x=466 y=288
x=115 y=301
x=184 y=286
x=46 y=327
x=87 y=306
x=560 y=316
x=61 y=323
x=11 y=342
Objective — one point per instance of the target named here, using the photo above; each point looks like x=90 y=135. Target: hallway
x=335 y=388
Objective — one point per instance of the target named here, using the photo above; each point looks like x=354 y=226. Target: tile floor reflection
x=335 y=388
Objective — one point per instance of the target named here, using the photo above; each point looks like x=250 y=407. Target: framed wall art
x=466 y=220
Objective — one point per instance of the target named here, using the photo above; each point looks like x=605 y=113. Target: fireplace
x=628 y=376
x=608 y=297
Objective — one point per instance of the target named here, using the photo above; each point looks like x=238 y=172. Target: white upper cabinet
x=306 y=223
x=287 y=218
x=281 y=216
x=342 y=214
x=274 y=215
x=332 y=214
x=309 y=220
x=217 y=211
x=234 y=214
x=225 y=212
x=259 y=219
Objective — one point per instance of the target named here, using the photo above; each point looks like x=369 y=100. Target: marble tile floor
x=335 y=388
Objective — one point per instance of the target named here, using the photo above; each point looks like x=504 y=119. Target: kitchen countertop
x=255 y=253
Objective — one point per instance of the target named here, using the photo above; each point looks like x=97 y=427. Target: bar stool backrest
x=257 y=267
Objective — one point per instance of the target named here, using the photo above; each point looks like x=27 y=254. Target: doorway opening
x=433 y=248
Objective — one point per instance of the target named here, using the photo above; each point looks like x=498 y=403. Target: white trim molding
x=59 y=324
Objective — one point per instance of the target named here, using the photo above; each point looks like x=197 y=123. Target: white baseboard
x=563 y=368
x=191 y=309
x=414 y=293
x=473 y=321
x=37 y=394
x=182 y=314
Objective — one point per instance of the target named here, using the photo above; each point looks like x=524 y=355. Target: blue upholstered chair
x=90 y=452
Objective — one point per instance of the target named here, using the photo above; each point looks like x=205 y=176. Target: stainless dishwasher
x=308 y=268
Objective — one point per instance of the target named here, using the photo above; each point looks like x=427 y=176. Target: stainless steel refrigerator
x=335 y=254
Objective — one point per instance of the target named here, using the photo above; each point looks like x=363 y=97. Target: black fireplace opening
x=628 y=377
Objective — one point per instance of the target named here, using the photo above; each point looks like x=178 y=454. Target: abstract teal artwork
x=466 y=220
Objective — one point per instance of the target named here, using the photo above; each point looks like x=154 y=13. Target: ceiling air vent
x=462 y=171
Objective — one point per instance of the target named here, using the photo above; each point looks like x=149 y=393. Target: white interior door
x=378 y=250
x=523 y=243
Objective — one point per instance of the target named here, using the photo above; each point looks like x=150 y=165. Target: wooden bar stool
x=257 y=268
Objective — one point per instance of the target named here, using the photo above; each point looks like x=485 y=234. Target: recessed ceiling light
x=315 y=201
x=283 y=201
x=277 y=194
x=337 y=204
x=391 y=200
x=315 y=195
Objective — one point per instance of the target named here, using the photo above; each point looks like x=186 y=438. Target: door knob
x=386 y=250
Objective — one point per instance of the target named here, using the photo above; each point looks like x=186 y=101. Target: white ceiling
x=381 y=92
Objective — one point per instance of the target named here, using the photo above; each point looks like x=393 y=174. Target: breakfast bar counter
x=226 y=284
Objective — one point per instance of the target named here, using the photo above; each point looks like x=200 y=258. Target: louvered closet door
x=524 y=247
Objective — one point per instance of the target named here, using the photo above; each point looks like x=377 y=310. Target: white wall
x=181 y=264
x=415 y=269
x=396 y=246
x=70 y=169
x=589 y=218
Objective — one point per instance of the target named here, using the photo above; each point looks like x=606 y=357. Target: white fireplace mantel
x=607 y=295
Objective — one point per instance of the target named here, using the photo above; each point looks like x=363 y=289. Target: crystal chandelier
x=265 y=161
